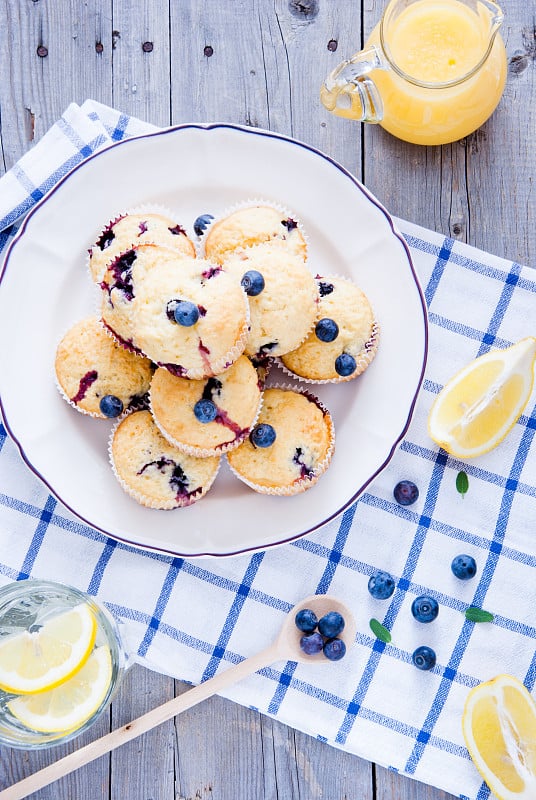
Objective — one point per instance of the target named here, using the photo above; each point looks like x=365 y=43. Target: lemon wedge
x=69 y=705
x=478 y=406
x=37 y=661
x=499 y=728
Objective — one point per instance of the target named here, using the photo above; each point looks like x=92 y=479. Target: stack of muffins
x=183 y=341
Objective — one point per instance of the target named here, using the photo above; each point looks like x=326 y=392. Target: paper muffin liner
x=162 y=210
x=205 y=452
x=301 y=484
x=257 y=201
x=76 y=407
x=143 y=499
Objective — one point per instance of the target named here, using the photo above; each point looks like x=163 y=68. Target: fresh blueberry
x=312 y=643
x=381 y=585
x=205 y=410
x=110 y=405
x=464 y=567
x=331 y=624
x=252 y=282
x=424 y=608
x=262 y=435
x=186 y=313
x=326 y=330
x=405 y=493
x=345 y=365
x=334 y=649
x=424 y=657
x=306 y=620
x=201 y=223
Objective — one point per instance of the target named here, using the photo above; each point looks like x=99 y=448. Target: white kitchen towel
x=192 y=618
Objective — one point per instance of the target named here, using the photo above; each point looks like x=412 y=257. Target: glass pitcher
x=431 y=72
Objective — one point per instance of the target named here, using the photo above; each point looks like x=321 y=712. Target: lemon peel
x=479 y=405
x=499 y=728
x=35 y=661
x=68 y=706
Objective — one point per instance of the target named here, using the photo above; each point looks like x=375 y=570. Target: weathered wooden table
x=258 y=63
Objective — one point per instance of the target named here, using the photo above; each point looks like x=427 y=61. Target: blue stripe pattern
x=193 y=618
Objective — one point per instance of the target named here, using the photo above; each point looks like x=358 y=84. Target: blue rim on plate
x=209 y=167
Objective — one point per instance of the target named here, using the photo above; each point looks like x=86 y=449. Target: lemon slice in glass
x=478 y=406
x=34 y=661
x=499 y=728
x=69 y=705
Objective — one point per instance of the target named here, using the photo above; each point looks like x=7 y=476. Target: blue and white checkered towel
x=192 y=618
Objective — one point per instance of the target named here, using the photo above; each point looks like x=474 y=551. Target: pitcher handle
x=349 y=92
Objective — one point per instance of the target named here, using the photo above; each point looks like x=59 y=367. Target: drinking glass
x=25 y=606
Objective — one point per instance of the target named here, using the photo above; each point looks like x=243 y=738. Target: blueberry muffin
x=189 y=315
x=153 y=471
x=133 y=228
x=253 y=225
x=283 y=297
x=344 y=340
x=208 y=416
x=97 y=376
x=289 y=447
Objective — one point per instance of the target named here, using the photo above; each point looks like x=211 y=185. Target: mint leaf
x=478 y=615
x=462 y=483
x=379 y=631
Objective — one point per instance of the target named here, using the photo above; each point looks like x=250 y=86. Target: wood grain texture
x=259 y=63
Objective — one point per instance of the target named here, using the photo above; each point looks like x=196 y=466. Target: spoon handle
x=141 y=725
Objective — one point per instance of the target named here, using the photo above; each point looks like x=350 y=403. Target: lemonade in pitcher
x=432 y=71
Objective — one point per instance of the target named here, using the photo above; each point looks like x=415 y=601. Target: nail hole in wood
x=42 y=51
x=147 y=47
x=208 y=51
x=304 y=8
x=99 y=47
x=332 y=45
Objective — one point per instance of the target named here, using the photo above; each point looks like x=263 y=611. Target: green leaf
x=478 y=615
x=462 y=483
x=379 y=631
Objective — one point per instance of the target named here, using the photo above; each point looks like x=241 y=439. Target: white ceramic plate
x=195 y=169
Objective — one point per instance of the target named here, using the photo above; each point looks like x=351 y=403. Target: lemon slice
x=478 y=406
x=499 y=727
x=36 y=661
x=69 y=705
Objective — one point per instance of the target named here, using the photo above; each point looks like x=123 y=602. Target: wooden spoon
x=285 y=648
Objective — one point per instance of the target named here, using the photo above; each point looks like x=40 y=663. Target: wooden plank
x=140 y=60
x=53 y=62
x=226 y=752
x=254 y=64
x=18 y=764
x=143 y=768
x=390 y=785
x=259 y=63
